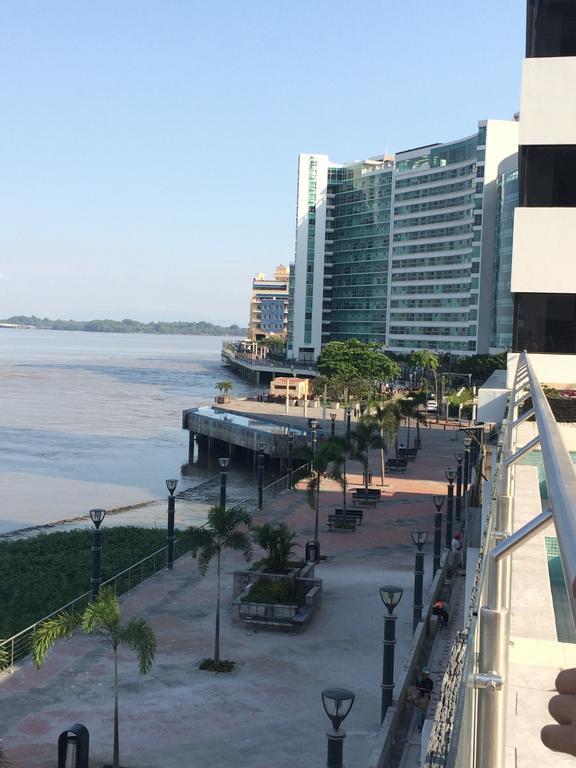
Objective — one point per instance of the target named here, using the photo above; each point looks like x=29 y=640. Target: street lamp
x=97 y=516
x=337 y=703
x=390 y=596
x=290 y=449
x=438 y=503
x=450 y=476
x=459 y=457
x=348 y=421
x=260 y=447
x=333 y=425
x=314 y=427
x=223 y=477
x=171 y=485
x=419 y=538
x=467 y=443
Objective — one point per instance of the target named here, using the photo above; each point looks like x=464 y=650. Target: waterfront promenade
x=267 y=712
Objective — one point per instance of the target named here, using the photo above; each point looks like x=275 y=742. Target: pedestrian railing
x=19 y=645
x=470 y=722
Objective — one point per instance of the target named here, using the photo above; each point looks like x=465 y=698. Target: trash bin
x=312 y=551
x=73 y=747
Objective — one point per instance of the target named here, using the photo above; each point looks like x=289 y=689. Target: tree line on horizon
x=200 y=328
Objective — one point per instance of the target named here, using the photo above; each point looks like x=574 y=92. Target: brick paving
x=268 y=711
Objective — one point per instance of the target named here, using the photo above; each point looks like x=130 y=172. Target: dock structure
x=232 y=434
x=263 y=370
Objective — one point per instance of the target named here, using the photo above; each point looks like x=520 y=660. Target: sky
x=148 y=148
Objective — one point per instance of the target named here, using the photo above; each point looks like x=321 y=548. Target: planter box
x=221 y=399
x=287 y=617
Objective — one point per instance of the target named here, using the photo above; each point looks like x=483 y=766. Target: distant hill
x=200 y=328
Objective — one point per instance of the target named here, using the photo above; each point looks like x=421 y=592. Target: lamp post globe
x=337 y=703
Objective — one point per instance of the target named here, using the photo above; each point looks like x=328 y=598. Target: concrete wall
x=543 y=252
x=548 y=102
x=550 y=369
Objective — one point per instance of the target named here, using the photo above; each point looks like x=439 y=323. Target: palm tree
x=101 y=617
x=220 y=532
x=387 y=416
x=365 y=436
x=409 y=410
x=326 y=453
x=278 y=541
x=341 y=451
x=224 y=387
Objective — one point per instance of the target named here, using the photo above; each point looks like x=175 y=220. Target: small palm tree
x=101 y=617
x=224 y=387
x=221 y=531
x=362 y=439
x=278 y=541
x=327 y=452
x=386 y=415
x=340 y=452
x=409 y=410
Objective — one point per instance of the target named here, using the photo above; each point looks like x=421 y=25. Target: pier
x=263 y=370
x=230 y=434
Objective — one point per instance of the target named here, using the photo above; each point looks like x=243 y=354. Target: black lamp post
x=97 y=516
x=290 y=449
x=171 y=485
x=223 y=478
x=438 y=503
x=260 y=446
x=390 y=596
x=348 y=421
x=314 y=426
x=419 y=538
x=450 y=476
x=459 y=457
x=333 y=425
x=467 y=443
x=337 y=703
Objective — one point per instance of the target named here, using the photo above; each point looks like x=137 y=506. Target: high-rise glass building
x=502 y=300
x=399 y=250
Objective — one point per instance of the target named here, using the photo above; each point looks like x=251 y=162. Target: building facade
x=269 y=305
x=399 y=250
x=543 y=271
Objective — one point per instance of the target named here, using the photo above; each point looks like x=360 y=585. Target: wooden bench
x=396 y=465
x=341 y=522
x=356 y=513
x=366 y=498
x=408 y=453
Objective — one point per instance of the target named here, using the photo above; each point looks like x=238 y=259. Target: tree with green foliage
x=428 y=362
x=222 y=530
x=409 y=411
x=278 y=541
x=224 y=387
x=386 y=415
x=340 y=450
x=101 y=618
x=201 y=328
x=481 y=366
x=354 y=359
x=362 y=439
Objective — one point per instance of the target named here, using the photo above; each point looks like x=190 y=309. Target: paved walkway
x=267 y=712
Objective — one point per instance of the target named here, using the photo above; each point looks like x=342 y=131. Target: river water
x=94 y=420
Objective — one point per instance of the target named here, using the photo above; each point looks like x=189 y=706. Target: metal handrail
x=18 y=646
x=560 y=479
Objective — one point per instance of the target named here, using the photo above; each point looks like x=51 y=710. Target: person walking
x=456 y=553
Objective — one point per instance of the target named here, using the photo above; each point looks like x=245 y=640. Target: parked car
x=431 y=406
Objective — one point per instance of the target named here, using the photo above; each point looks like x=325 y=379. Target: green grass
x=41 y=574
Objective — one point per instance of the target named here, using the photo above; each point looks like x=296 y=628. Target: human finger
x=559 y=738
x=563 y=709
x=566 y=681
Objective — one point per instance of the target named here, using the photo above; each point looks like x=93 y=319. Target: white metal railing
x=476 y=725
x=19 y=645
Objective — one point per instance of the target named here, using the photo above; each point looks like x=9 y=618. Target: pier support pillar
x=191 y=441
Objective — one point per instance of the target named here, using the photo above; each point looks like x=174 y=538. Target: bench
x=341 y=522
x=408 y=453
x=369 y=497
x=396 y=465
x=357 y=513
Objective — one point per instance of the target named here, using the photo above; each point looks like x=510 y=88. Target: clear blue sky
x=148 y=148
